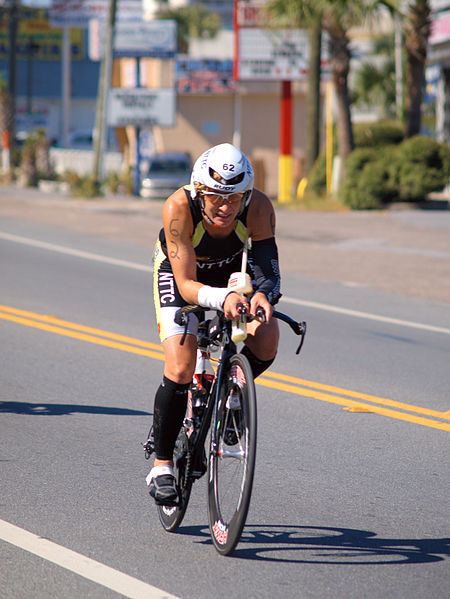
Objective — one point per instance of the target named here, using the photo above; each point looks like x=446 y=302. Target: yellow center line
x=339 y=391
x=287 y=383
x=79 y=327
x=83 y=336
x=444 y=426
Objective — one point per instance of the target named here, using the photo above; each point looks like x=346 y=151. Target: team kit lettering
x=208 y=263
x=166 y=286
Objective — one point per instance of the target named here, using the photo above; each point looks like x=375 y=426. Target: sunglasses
x=217 y=199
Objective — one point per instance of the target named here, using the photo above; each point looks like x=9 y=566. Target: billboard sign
x=272 y=54
x=77 y=13
x=143 y=39
x=204 y=76
x=155 y=39
x=36 y=40
x=141 y=107
x=266 y=54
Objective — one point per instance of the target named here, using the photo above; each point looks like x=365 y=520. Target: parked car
x=165 y=174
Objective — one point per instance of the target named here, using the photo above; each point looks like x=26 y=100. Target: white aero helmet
x=225 y=169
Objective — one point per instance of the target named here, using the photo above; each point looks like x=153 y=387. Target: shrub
x=378 y=134
x=113 y=182
x=28 y=172
x=72 y=178
x=317 y=178
x=84 y=187
x=89 y=187
x=127 y=181
x=421 y=165
x=43 y=164
x=367 y=184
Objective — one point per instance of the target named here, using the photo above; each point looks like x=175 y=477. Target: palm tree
x=374 y=85
x=337 y=17
x=193 y=22
x=417 y=26
x=300 y=14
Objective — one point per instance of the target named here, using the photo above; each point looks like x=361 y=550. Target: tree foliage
x=337 y=17
x=374 y=83
x=417 y=27
x=193 y=22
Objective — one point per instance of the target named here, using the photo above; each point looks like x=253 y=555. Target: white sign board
x=266 y=54
x=154 y=39
x=77 y=13
x=141 y=107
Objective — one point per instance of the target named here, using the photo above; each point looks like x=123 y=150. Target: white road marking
x=79 y=253
x=367 y=315
x=117 y=581
x=289 y=300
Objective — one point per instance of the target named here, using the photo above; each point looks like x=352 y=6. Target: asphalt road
x=351 y=491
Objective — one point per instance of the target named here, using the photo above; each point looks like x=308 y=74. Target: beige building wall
x=209 y=119
x=206 y=120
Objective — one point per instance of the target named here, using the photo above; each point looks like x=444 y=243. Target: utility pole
x=12 y=70
x=104 y=85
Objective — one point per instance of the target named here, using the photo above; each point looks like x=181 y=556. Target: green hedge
x=421 y=165
x=408 y=171
x=368 y=184
x=385 y=170
x=377 y=134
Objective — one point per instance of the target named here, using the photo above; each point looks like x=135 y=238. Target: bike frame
x=210 y=413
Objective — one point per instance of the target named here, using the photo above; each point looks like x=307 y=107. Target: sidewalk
x=400 y=251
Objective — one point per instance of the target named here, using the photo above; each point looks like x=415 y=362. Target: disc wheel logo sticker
x=220 y=531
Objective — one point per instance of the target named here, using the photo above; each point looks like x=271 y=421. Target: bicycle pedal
x=149 y=448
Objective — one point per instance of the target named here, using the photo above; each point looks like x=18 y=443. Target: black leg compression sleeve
x=168 y=415
x=258 y=366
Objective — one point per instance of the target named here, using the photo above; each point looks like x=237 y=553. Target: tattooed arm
x=178 y=227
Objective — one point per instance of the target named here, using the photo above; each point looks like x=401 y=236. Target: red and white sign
x=265 y=54
x=440 y=30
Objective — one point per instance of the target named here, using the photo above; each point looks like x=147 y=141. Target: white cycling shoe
x=162 y=485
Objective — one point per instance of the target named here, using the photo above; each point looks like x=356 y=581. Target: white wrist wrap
x=212 y=297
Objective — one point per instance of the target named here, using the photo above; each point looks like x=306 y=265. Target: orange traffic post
x=285 y=157
x=6 y=159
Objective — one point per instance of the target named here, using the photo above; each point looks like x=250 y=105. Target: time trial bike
x=225 y=405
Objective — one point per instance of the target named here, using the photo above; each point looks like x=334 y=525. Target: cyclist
x=205 y=225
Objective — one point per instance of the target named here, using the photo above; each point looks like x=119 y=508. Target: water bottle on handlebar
x=241 y=283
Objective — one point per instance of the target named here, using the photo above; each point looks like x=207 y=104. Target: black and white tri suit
x=216 y=259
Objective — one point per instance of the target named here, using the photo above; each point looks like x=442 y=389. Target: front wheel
x=232 y=455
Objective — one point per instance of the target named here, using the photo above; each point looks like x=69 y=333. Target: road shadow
x=328 y=545
x=55 y=409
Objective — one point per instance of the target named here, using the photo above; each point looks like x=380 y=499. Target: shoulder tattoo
x=174 y=232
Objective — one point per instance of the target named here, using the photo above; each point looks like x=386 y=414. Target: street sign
x=157 y=39
x=141 y=107
x=77 y=13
